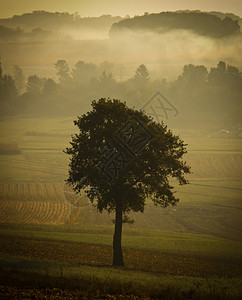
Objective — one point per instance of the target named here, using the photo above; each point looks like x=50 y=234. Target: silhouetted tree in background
x=9 y=90
x=8 y=94
x=50 y=88
x=83 y=72
x=225 y=76
x=141 y=75
x=195 y=76
x=197 y=92
x=63 y=70
x=34 y=84
x=217 y=75
x=106 y=66
x=106 y=79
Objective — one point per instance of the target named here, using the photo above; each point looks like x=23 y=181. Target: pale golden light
x=118 y=7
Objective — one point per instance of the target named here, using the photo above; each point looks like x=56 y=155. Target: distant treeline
x=42 y=24
x=57 y=21
x=198 y=22
x=212 y=96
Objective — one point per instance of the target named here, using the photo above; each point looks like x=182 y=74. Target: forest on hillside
x=43 y=24
x=198 y=22
x=47 y=25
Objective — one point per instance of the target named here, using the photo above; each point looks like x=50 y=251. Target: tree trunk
x=117 y=248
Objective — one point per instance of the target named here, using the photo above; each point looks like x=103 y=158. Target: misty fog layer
x=36 y=40
x=165 y=54
x=62 y=67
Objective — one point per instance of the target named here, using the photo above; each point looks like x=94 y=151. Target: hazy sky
x=8 y=8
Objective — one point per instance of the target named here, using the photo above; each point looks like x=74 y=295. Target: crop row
x=206 y=165
x=34 y=212
x=31 y=191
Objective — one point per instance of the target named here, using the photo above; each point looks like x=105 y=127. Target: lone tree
x=122 y=157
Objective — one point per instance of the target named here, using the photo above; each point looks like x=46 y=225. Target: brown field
x=203 y=210
x=209 y=165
